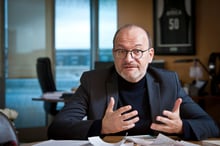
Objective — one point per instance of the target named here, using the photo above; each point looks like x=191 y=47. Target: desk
x=48 y=100
x=114 y=139
x=55 y=97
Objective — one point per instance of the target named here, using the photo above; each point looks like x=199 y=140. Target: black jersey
x=174 y=23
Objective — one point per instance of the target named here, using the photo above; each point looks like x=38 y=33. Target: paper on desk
x=141 y=139
x=64 y=143
x=163 y=140
x=52 y=95
x=211 y=142
x=146 y=140
x=97 y=141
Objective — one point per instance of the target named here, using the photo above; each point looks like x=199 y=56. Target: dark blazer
x=97 y=86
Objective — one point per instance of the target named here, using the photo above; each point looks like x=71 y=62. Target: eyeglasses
x=135 y=54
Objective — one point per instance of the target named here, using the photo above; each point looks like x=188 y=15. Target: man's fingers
x=175 y=111
x=110 y=105
x=121 y=110
x=171 y=120
x=177 y=105
x=160 y=127
x=130 y=123
x=129 y=115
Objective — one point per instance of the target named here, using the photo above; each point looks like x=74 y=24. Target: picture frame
x=174 y=27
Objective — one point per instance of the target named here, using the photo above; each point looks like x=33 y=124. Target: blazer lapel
x=112 y=89
x=154 y=97
x=153 y=91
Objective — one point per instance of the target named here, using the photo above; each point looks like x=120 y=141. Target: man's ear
x=151 y=54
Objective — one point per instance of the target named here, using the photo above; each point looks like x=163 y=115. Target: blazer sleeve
x=69 y=123
x=197 y=123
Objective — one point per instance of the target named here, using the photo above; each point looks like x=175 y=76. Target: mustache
x=126 y=65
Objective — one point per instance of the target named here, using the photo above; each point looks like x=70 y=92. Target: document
x=143 y=140
x=64 y=143
x=211 y=142
x=140 y=140
x=97 y=141
x=52 y=95
x=163 y=140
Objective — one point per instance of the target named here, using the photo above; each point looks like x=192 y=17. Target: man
x=132 y=98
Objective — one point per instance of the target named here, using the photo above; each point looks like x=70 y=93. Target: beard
x=132 y=75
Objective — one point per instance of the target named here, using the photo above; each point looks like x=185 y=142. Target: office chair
x=8 y=136
x=47 y=83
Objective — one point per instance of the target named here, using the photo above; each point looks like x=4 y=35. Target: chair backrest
x=8 y=136
x=46 y=80
x=103 y=64
x=45 y=75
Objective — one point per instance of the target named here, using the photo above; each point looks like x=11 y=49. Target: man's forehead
x=131 y=33
x=131 y=30
x=136 y=37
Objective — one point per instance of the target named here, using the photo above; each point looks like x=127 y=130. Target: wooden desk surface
x=114 y=139
x=48 y=100
x=55 y=97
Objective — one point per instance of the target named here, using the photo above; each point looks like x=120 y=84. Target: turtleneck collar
x=124 y=84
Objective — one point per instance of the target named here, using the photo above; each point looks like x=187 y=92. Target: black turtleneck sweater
x=135 y=94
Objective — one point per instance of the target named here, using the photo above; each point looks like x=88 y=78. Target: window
x=107 y=28
x=25 y=39
x=72 y=41
x=27 y=33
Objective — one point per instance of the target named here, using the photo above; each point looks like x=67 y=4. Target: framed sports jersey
x=174 y=27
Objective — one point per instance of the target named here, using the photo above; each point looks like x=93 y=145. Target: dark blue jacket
x=96 y=88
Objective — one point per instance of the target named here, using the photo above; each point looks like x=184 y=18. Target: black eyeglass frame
x=131 y=52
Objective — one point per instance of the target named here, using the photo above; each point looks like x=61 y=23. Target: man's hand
x=118 y=120
x=172 y=122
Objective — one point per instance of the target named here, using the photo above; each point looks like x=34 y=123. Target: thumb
x=177 y=104
x=110 y=105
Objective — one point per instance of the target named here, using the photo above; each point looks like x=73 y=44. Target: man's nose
x=129 y=56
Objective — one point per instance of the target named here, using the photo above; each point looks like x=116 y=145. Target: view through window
x=72 y=49
x=72 y=29
x=107 y=28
